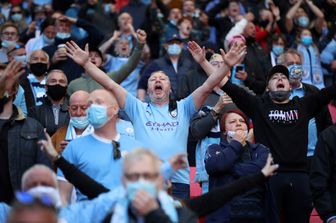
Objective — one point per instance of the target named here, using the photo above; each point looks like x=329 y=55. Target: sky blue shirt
x=125 y=128
x=166 y=134
x=4 y=211
x=131 y=82
x=312 y=129
x=94 y=156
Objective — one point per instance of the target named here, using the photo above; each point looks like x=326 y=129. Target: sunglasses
x=116 y=150
x=27 y=199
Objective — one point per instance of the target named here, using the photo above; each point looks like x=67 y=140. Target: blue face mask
x=306 y=40
x=79 y=122
x=277 y=49
x=63 y=35
x=8 y=43
x=295 y=71
x=47 y=40
x=303 y=21
x=133 y=187
x=174 y=49
x=325 y=31
x=21 y=58
x=146 y=2
x=16 y=17
x=97 y=115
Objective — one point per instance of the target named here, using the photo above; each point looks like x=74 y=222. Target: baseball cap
x=277 y=69
x=173 y=37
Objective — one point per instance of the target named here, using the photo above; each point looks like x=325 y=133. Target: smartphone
x=240 y=67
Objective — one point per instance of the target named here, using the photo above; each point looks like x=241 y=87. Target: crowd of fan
x=105 y=105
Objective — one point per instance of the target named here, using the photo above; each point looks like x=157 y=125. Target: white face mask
x=51 y=192
x=61 y=35
x=231 y=134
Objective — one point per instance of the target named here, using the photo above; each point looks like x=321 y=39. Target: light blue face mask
x=8 y=43
x=97 y=115
x=22 y=58
x=303 y=21
x=79 y=122
x=324 y=31
x=16 y=17
x=277 y=49
x=306 y=40
x=47 y=40
x=174 y=49
x=63 y=35
x=146 y=2
x=133 y=187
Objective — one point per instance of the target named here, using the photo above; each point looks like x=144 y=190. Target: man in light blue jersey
x=96 y=154
x=161 y=125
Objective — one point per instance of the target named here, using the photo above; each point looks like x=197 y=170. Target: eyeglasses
x=216 y=63
x=16 y=12
x=137 y=176
x=26 y=198
x=116 y=150
x=9 y=33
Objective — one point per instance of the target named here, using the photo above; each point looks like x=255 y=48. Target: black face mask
x=263 y=23
x=250 y=40
x=39 y=69
x=279 y=96
x=56 y=92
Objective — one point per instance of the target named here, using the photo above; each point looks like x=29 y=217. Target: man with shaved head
x=97 y=154
x=78 y=124
x=34 y=83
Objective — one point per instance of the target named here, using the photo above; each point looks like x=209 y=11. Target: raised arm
x=318 y=13
x=9 y=77
x=108 y=43
x=81 y=57
x=133 y=61
x=231 y=58
x=198 y=54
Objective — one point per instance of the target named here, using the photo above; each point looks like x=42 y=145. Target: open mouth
x=158 y=88
x=280 y=85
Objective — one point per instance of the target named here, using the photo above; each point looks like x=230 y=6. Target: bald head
x=79 y=96
x=38 y=175
x=102 y=96
x=78 y=103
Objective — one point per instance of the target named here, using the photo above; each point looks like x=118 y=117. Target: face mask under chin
x=279 y=96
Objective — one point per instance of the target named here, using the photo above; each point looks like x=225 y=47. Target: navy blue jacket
x=164 y=64
x=227 y=162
